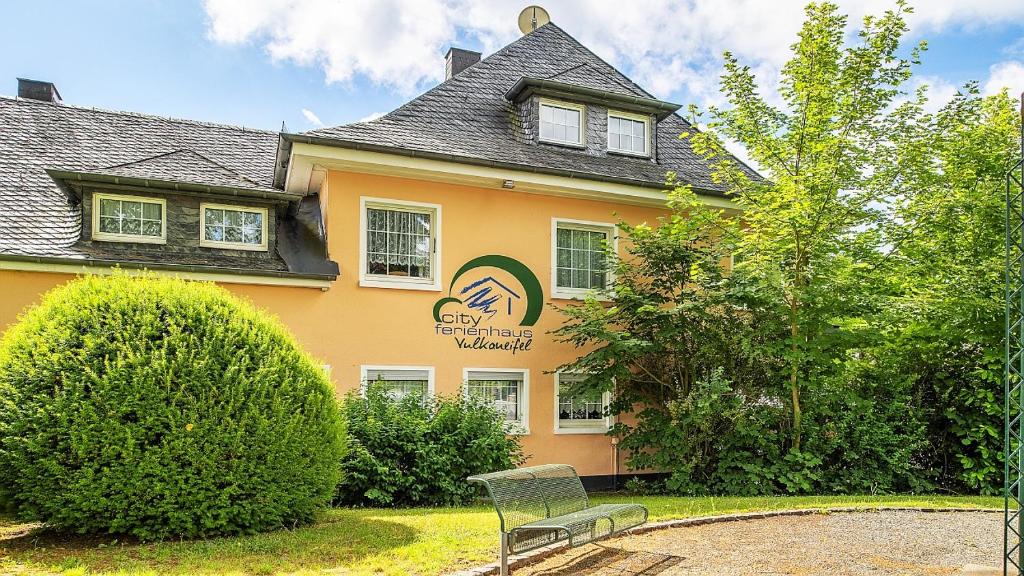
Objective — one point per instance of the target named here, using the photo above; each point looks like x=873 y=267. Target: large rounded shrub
x=162 y=408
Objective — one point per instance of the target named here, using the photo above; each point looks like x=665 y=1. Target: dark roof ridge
x=440 y=85
x=603 y=61
x=207 y=159
x=138 y=115
x=596 y=70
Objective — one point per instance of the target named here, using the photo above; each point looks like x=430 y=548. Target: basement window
x=507 y=390
x=401 y=381
x=579 y=412
x=233 y=227
x=117 y=218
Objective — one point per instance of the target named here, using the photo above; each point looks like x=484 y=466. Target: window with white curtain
x=579 y=411
x=506 y=390
x=400 y=381
x=399 y=243
x=235 y=227
x=120 y=218
x=580 y=258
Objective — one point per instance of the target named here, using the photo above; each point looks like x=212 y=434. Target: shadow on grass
x=604 y=560
x=339 y=539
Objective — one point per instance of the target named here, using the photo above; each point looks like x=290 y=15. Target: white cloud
x=371 y=116
x=311 y=117
x=670 y=47
x=1008 y=74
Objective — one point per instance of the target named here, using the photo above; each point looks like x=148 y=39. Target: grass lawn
x=365 y=541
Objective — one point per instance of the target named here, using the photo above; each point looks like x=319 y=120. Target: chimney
x=457 y=60
x=38 y=90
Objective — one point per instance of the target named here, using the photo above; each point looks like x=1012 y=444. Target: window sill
x=643 y=155
x=233 y=246
x=573 y=145
x=517 y=429
x=582 y=430
x=579 y=296
x=399 y=284
x=129 y=239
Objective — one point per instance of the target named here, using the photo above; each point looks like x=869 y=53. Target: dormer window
x=629 y=133
x=561 y=122
x=120 y=218
x=233 y=227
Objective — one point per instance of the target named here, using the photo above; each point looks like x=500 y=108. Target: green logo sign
x=492 y=302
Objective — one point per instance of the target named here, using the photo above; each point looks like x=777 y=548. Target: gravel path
x=848 y=543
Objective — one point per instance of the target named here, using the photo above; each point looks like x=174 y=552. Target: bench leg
x=504 y=554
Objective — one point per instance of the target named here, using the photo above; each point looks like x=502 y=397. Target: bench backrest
x=525 y=495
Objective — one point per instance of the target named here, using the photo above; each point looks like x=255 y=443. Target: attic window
x=233 y=227
x=628 y=133
x=117 y=218
x=561 y=123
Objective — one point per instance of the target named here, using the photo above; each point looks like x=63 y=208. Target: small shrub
x=418 y=452
x=162 y=408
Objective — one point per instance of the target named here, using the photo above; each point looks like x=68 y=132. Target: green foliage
x=418 y=452
x=944 y=276
x=162 y=409
x=855 y=346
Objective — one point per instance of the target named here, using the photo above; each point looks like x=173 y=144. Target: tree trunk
x=794 y=374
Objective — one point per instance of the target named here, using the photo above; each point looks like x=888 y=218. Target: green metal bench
x=541 y=505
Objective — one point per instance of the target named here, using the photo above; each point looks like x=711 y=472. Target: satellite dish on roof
x=531 y=18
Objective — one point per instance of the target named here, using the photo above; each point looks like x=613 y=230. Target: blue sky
x=260 y=62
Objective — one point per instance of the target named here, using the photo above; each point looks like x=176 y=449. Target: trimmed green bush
x=162 y=409
x=418 y=452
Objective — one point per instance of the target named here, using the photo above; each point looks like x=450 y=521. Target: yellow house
x=424 y=248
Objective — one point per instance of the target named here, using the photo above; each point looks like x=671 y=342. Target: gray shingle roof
x=35 y=215
x=468 y=117
x=182 y=166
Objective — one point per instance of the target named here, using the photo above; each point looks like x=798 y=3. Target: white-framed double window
x=578 y=256
x=400 y=381
x=120 y=218
x=562 y=122
x=399 y=244
x=629 y=133
x=232 y=227
x=579 y=412
x=507 y=389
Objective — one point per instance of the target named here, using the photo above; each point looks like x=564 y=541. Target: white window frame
x=367 y=280
x=630 y=116
x=206 y=243
x=138 y=239
x=566 y=293
x=365 y=368
x=602 y=428
x=567 y=106
x=522 y=426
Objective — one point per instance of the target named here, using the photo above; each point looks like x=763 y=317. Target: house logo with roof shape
x=492 y=303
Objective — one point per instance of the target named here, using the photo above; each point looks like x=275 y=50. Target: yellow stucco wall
x=348 y=325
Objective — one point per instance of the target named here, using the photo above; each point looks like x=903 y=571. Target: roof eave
x=184 y=268
x=527 y=86
x=68 y=176
x=575 y=174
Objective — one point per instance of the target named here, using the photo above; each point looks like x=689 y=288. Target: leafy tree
x=944 y=274
x=820 y=148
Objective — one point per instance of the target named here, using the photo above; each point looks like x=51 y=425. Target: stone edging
x=532 y=557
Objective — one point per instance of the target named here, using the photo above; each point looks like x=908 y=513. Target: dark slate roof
x=468 y=117
x=182 y=166
x=37 y=220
